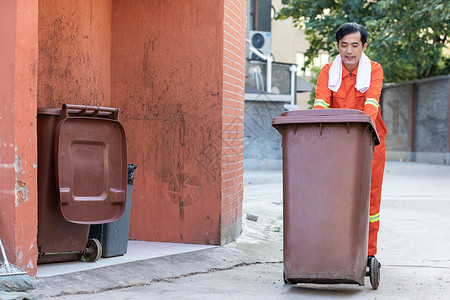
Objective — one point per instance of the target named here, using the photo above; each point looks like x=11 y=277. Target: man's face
x=350 y=48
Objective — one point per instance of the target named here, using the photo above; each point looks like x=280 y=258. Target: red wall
x=167 y=79
x=7 y=123
x=74 y=52
x=18 y=80
x=163 y=69
x=176 y=71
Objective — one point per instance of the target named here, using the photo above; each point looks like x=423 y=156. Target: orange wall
x=18 y=154
x=74 y=52
x=167 y=79
x=175 y=69
x=8 y=19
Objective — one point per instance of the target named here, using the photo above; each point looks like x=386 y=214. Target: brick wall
x=417 y=117
x=233 y=118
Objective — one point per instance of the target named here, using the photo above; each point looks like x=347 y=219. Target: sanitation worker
x=353 y=81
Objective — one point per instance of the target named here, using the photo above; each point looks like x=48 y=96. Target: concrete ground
x=414 y=243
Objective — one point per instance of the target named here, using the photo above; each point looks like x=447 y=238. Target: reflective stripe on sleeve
x=374 y=218
x=372 y=101
x=322 y=103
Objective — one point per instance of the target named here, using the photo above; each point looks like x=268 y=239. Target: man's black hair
x=351 y=27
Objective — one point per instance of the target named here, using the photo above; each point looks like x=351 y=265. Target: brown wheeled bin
x=327 y=161
x=82 y=178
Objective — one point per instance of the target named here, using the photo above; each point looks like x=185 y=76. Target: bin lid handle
x=89 y=111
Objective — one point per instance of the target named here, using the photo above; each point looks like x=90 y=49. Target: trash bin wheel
x=374 y=269
x=93 y=250
x=284 y=278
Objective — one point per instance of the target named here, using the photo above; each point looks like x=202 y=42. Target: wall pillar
x=233 y=107
x=18 y=151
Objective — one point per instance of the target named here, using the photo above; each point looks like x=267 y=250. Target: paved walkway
x=414 y=245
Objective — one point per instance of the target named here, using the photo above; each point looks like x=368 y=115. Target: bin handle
x=90 y=111
x=369 y=129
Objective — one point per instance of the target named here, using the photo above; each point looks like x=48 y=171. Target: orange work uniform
x=348 y=97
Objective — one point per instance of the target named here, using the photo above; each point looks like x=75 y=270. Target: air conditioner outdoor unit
x=261 y=41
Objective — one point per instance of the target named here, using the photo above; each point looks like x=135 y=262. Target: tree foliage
x=406 y=37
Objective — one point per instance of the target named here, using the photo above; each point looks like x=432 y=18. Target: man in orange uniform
x=353 y=81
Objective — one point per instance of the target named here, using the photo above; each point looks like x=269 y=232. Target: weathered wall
x=175 y=69
x=18 y=79
x=74 y=52
x=167 y=77
x=431 y=116
x=8 y=19
x=262 y=141
x=418 y=120
x=395 y=105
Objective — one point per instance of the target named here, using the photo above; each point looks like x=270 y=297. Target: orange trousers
x=379 y=158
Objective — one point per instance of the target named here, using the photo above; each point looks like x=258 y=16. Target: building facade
x=176 y=71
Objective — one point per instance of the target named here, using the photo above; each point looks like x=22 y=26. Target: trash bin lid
x=91 y=169
x=331 y=115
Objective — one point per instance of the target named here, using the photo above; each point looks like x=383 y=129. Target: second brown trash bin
x=327 y=160
x=82 y=178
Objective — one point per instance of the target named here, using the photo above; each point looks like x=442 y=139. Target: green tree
x=315 y=75
x=406 y=37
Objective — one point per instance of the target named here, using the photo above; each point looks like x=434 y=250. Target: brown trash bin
x=327 y=161
x=82 y=178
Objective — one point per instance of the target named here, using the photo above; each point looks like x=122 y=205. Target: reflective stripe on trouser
x=378 y=162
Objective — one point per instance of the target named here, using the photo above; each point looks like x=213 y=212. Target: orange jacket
x=348 y=97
